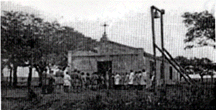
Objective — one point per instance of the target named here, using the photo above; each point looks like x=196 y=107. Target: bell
x=156 y=15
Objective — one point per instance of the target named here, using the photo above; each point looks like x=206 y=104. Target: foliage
x=201 y=29
x=177 y=97
x=20 y=38
x=28 y=40
x=200 y=66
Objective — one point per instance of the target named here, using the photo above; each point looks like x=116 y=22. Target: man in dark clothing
x=44 y=82
x=50 y=87
x=88 y=81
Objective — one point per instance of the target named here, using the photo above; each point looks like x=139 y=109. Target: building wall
x=175 y=74
x=120 y=62
x=124 y=59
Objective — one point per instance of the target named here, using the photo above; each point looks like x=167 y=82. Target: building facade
x=114 y=57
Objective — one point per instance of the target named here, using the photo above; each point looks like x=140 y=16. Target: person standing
x=77 y=83
x=88 y=81
x=153 y=80
x=94 y=81
x=131 y=79
x=101 y=81
x=143 y=79
x=83 y=79
x=45 y=82
x=136 y=80
x=59 y=80
x=107 y=79
x=67 y=83
x=51 y=83
x=126 y=80
x=117 y=81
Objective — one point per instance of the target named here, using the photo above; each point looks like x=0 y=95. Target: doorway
x=103 y=67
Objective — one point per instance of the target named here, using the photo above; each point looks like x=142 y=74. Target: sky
x=129 y=20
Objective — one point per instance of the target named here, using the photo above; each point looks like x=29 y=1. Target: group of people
x=78 y=81
x=132 y=80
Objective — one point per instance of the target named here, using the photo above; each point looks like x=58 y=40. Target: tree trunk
x=201 y=79
x=29 y=77
x=40 y=72
x=10 y=83
x=40 y=79
x=15 y=76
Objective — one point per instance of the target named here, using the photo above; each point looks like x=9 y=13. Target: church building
x=118 y=58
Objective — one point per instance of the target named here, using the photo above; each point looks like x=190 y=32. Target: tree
x=29 y=41
x=201 y=66
x=65 y=39
x=20 y=40
x=12 y=30
x=183 y=61
x=48 y=31
x=201 y=29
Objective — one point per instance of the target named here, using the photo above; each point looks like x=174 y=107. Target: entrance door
x=103 y=67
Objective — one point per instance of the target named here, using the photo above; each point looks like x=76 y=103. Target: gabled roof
x=123 y=45
x=84 y=53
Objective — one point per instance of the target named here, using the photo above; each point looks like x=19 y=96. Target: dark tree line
x=28 y=40
x=201 y=66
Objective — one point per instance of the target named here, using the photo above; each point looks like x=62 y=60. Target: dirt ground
x=176 y=97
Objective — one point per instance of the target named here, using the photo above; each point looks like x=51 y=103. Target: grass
x=177 y=97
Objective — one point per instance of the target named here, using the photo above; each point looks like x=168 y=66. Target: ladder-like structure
x=177 y=66
x=165 y=54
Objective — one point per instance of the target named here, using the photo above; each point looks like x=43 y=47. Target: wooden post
x=153 y=42
x=162 y=46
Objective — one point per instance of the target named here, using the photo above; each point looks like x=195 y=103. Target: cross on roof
x=105 y=25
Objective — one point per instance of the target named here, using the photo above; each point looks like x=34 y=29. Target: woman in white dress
x=143 y=79
x=131 y=79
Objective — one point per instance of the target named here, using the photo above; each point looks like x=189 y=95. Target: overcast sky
x=129 y=20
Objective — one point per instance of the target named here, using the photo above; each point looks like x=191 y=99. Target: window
x=171 y=72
